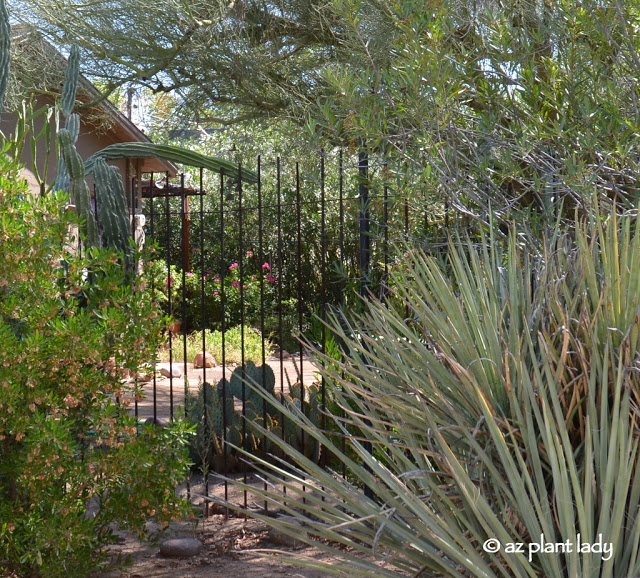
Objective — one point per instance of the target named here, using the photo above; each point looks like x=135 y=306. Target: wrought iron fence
x=255 y=269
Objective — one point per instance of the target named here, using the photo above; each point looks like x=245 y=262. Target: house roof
x=126 y=131
x=117 y=128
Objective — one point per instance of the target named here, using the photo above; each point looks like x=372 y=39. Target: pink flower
x=216 y=280
x=216 y=293
x=204 y=277
x=233 y=266
x=249 y=253
x=244 y=286
x=235 y=284
x=266 y=266
x=270 y=279
x=189 y=274
x=253 y=277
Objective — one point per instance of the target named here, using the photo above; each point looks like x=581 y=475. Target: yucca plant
x=504 y=408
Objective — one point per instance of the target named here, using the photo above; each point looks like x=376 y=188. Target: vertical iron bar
x=280 y=272
x=323 y=302
x=385 y=218
x=207 y=433
x=406 y=238
x=343 y=283
x=299 y=300
x=152 y=228
x=133 y=208
x=365 y=239
x=242 y=320
x=169 y=300
x=341 y=208
x=365 y=221
x=223 y=328
x=133 y=234
x=185 y=265
x=262 y=342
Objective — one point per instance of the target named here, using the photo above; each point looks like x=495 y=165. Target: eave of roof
x=127 y=131
x=122 y=128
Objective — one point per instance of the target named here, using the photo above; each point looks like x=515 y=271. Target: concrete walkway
x=165 y=393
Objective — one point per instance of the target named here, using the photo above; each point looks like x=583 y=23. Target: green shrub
x=72 y=462
x=504 y=407
x=213 y=343
x=188 y=305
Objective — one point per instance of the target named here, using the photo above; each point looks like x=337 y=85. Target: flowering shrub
x=64 y=441
x=238 y=293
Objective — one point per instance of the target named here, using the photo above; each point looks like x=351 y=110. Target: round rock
x=180 y=548
x=169 y=370
x=204 y=359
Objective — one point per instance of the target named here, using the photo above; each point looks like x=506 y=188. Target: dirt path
x=232 y=546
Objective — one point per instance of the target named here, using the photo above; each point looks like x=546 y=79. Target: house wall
x=89 y=142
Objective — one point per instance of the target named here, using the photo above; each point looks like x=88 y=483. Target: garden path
x=286 y=375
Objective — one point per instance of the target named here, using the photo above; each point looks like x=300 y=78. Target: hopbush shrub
x=72 y=460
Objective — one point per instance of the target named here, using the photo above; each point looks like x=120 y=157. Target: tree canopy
x=226 y=61
x=505 y=106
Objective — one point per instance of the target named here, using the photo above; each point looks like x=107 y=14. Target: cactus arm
x=121 y=208
x=34 y=138
x=5 y=50
x=112 y=209
x=80 y=193
x=17 y=142
x=72 y=121
x=70 y=86
x=136 y=150
x=72 y=124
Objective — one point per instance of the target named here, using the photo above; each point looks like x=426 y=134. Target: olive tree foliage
x=512 y=109
x=525 y=110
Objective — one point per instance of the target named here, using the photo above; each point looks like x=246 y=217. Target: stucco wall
x=89 y=142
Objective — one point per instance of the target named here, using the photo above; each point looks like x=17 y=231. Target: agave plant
x=502 y=416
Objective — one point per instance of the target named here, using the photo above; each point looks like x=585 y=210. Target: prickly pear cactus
x=261 y=376
x=292 y=432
